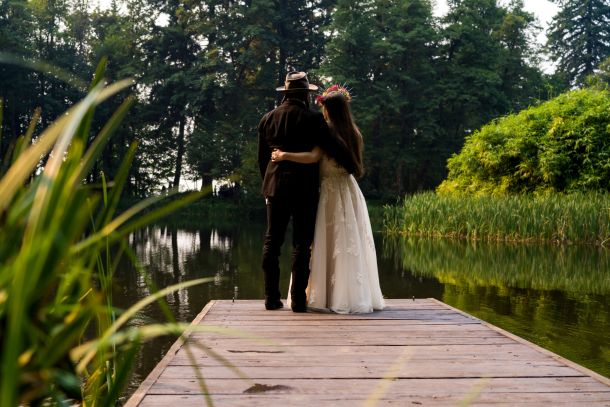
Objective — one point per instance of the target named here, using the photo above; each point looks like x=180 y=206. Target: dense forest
x=205 y=72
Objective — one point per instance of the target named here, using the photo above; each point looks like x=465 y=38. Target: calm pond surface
x=556 y=297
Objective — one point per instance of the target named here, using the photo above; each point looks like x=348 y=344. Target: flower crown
x=333 y=88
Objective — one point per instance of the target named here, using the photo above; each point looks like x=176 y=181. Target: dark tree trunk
x=282 y=54
x=399 y=179
x=180 y=153
x=206 y=182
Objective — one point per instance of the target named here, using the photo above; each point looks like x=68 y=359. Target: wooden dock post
x=420 y=352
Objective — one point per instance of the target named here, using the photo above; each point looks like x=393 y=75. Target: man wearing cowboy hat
x=290 y=188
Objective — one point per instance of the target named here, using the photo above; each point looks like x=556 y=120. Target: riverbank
x=580 y=218
x=219 y=211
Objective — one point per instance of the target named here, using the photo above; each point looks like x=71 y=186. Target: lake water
x=556 y=297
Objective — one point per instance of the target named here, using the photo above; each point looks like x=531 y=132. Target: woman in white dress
x=344 y=275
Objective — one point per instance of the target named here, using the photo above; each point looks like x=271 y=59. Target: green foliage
x=16 y=25
x=420 y=86
x=490 y=65
x=560 y=146
x=384 y=50
x=601 y=78
x=250 y=178
x=207 y=72
x=250 y=47
x=117 y=37
x=172 y=51
x=579 y=37
x=55 y=269
x=471 y=77
x=573 y=218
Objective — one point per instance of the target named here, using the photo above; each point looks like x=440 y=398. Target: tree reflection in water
x=555 y=296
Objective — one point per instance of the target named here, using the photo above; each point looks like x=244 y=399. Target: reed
x=61 y=340
x=558 y=218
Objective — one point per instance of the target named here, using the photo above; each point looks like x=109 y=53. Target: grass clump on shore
x=559 y=218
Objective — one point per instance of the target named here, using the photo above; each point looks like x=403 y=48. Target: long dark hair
x=341 y=122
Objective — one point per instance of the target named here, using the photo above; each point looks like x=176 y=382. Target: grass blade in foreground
x=50 y=300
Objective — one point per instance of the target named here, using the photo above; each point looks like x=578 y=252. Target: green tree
x=55 y=44
x=119 y=38
x=488 y=67
x=601 y=78
x=171 y=52
x=579 y=37
x=51 y=36
x=249 y=47
x=519 y=59
x=470 y=83
x=384 y=50
x=16 y=26
x=207 y=72
x=421 y=89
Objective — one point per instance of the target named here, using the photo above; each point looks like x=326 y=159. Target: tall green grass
x=558 y=218
x=61 y=340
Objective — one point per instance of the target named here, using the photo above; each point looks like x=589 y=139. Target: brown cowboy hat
x=296 y=81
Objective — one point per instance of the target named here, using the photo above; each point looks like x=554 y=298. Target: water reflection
x=222 y=243
x=572 y=269
x=168 y=256
x=557 y=297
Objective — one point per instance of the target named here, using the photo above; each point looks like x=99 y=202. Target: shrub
x=560 y=146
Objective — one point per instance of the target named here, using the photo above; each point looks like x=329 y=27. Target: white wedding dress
x=344 y=276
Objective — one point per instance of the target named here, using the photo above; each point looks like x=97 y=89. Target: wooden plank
x=283 y=314
x=369 y=363
x=346 y=400
x=394 y=303
x=397 y=314
x=430 y=317
x=411 y=369
x=287 y=321
x=360 y=341
x=316 y=336
x=399 y=387
x=393 y=329
x=355 y=354
x=356 y=350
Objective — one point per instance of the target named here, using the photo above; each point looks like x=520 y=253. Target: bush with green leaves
x=559 y=146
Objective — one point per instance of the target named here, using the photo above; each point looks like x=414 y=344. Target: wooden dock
x=420 y=352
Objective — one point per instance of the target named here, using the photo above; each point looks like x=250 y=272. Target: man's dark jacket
x=293 y=127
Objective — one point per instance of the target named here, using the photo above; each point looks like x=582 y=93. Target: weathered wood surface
x=420 y=352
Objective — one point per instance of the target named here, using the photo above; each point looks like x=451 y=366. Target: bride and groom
x=308 y=161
